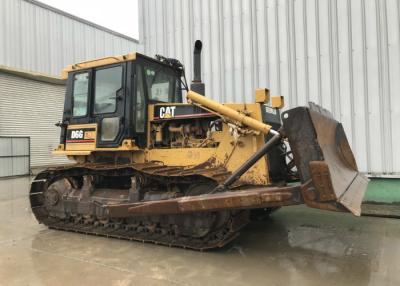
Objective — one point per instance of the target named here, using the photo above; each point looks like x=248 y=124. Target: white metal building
x=341 y=54
x=36 y=38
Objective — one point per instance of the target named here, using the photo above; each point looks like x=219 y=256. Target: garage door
x=14 y=156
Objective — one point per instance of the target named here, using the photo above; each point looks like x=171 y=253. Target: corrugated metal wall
x=30 y=108
x=40 y=39
x=341 y=54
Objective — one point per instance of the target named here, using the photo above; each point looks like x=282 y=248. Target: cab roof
x=114 y=60
x=98 y=62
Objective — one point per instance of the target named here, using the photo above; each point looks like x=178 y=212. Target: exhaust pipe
x=196 y=84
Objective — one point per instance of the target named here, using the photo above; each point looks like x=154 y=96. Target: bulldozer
x=152 y=167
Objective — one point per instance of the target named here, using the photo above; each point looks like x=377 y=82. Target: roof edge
x=76 y=18
x=96 y=63
x=32 y=75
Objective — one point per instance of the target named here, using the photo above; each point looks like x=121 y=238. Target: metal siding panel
x=221 y=48
x=300 y=38
x=386 y=124
x=238 y=95
x=324 y=54
x=159 y=27
x=186 y=28
x=196 y=29
x=170 y=51
x=393 y=10
x=2 y=30
x=283 y=58
x=228 y=52
x=371 y=85
x=273 y=48
x=312 y=52
x=346 y=70
x=260 y=46
x=151 y=40
x=360 y=139
x=5 y=147
x=335 y=94
x=291 y=19
x=254 y=42
x=247 y=51
x=142 y=24
x=177 y=31
x=37 y=39
x=214 y=34
x=55 y=43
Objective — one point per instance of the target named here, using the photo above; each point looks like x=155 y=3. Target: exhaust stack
x=197 y=84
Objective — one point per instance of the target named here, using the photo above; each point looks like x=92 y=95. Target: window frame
x=136 y=67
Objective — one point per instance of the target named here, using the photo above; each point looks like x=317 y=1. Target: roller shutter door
x=30 y=108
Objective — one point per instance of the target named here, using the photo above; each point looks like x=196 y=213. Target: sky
x=117 y=15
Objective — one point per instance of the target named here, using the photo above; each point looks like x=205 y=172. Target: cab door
x=108 y=104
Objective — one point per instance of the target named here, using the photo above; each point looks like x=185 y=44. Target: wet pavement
x=296 y=246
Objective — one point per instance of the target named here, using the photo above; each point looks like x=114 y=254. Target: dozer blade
x=324 y=159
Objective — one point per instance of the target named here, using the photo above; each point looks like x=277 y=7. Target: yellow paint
x=180 y=156
x=70 y=153
x=72 y=149
x=80 y=126
x=277 y=102
x=262 y=95
x=127 y=145
x=252 y=109
x=150 y=114
x=90 y=135
x=230 y=153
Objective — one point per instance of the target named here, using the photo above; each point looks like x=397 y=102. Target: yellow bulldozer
x=149 y=167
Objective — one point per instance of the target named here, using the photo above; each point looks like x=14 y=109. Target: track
x=198 y=231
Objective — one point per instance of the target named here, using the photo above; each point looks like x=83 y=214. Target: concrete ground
x=297 y=246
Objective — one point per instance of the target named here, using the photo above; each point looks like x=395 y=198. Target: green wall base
x=383 y=191
x=382 y=198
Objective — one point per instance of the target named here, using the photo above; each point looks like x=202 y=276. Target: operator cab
x=106 y=100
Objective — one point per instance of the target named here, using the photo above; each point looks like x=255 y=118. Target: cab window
x=161 y=83
x=80 y=94
x=108 y=82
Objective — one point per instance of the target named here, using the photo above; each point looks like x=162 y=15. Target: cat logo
x=167 y=111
